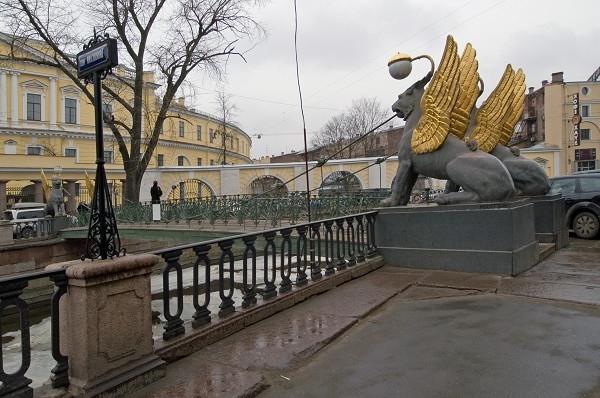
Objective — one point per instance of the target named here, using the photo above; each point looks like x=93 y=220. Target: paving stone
x=196 y=377
x=554 y=291
x=425 y=292
x=462 y=280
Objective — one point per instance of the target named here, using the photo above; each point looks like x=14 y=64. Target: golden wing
x=437 y=103
x=515 y=112
x=468 y=92
x=490 y=117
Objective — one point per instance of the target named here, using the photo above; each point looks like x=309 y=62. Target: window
x=182 y=129
x=564 y=186
x=107 y=112
x=212 y=162
x=180 y=160
x=199 y=133
x=211 y=135
x=34 y=107
x=585 y=111
x=586 y=165
x=108 y=157
x=585 y=134
x=589 y=184
x=24 y=215
x=70 y=111
x=34 y=150
x=199 y=161
x=585 y=90
x=237 y=144
x=10 y=147
x=160 y=160
x=71 y=152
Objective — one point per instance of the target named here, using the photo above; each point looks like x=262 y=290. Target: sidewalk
x=403 y=332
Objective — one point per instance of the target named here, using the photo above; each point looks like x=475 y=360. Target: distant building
x=381 y=143
x=546 y=132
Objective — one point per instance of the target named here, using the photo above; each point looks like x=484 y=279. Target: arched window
x=340 y=181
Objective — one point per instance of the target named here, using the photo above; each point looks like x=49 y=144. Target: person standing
x=155 y=193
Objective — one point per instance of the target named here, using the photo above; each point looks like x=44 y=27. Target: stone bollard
x=106 y=325
x=6 y=233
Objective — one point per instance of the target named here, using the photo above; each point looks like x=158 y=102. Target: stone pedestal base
x=550 y=223
x=6 y=233
x=489 y=237
x=156 y=212
x=107 y=325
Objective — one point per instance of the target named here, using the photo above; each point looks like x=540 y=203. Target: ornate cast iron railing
x=40 y=228
x=267 y=263
x=242 y=209
x=11 y=290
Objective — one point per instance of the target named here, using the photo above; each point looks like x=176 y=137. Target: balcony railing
x=251 y=269
x=16 y=384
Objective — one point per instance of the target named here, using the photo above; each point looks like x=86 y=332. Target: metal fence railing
x=268 y=263
x=16 y=384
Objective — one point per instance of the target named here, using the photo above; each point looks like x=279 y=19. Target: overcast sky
x=344 y=46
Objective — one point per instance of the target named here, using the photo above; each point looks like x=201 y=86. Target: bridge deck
x=417 y=333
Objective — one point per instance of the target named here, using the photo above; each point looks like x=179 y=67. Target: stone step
x=546 y=250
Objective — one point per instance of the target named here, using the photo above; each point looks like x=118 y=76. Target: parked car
x=587 y=172
x=582 y=200
x=24 y=217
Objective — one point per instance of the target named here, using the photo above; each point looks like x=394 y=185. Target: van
x=24 y=217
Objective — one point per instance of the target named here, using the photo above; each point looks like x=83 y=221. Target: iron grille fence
x=255 y=209
x=11 y=297
x=268 y=263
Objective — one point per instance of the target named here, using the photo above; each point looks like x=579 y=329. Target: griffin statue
x=447 y=137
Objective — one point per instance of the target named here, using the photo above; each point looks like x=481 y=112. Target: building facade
x=546 y=131
x=46 y=119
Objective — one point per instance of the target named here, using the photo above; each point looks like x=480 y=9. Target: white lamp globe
x=400 y=66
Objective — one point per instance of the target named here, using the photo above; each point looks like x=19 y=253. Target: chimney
x=531 y=90
x=544 y=82
x=557 y=77
x=181 y=101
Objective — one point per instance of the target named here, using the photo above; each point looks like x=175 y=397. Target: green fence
x=244 y=209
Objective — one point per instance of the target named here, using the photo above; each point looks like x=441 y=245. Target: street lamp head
x=400 y=65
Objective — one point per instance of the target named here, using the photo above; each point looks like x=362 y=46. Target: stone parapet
x=106 y=325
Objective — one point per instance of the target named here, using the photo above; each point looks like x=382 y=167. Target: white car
x=24 y=217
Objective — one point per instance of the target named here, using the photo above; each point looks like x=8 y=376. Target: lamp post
x=94 y=63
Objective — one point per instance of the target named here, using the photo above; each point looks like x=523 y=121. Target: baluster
x=202 y=314
x=285 y=270
x=226 y=306
x=60 y=372
x=301 y=279
x=360 y=232
x=315 y=245
x=371 y=247
x=174 y=326
x=351 y=241
x=16 y=384
x=329 y=269
x=270 y=290
x=249 y=292
x=341 y=246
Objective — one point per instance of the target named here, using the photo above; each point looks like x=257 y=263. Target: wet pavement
x=417 y=333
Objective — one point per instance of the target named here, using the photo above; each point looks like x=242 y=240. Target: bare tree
x=361 y=117
x=226 y=111
x=169 y=39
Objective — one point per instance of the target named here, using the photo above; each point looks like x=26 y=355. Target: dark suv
x=582 y=200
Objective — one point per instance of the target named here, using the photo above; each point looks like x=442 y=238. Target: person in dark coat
x=155 y=193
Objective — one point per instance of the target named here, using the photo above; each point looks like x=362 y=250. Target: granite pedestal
x=550 y=224
x=495 y=238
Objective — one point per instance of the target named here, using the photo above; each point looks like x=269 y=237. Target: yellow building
x=548 y=125
x=45 y=119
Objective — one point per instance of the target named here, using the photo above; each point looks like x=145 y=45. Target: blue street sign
x=99 y=57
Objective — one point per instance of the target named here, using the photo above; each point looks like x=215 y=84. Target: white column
x=53 y=101
x=3 y=96
x=14 y=99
